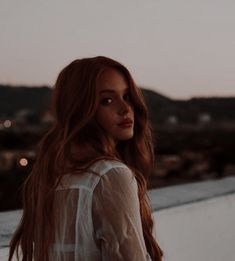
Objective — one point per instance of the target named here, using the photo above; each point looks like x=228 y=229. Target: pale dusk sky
x=179 y=48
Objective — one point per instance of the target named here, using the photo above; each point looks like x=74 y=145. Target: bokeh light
x=7 y=124
x=23 y=162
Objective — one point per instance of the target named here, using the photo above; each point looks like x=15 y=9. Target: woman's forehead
x=112 y=80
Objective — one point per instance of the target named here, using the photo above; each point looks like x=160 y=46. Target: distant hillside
x=13 y=99
x=38 y=98
x=219 y=108
x=152 y=97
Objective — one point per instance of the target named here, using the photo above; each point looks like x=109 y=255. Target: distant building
x=22 y=115
x=7 y=159
x=172 y=119
x=204 y=118
x=47 y=119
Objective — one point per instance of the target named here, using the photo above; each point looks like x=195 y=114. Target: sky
x=179 y=48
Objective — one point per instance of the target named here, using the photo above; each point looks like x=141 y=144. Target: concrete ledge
x=202 y=230
x=8 y=223
x=188 y=193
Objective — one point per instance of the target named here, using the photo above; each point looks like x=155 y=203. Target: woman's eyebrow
x=113 y=91
x=107 y=90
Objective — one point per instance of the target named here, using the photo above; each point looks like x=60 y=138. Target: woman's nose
x=124 y=107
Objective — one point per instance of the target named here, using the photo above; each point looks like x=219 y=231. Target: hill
x=13 y=99
x=161 y=108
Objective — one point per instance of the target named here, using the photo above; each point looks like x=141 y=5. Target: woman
x=85 y=198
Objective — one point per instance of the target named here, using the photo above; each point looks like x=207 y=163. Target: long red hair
x=74 y=106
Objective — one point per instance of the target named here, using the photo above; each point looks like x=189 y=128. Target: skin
x=114 y=106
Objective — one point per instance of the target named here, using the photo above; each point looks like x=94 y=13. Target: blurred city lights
x=7 y=124
x=23 y=162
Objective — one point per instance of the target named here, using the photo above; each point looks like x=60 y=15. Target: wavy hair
x=74 y=104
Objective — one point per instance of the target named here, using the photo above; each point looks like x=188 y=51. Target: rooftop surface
x=177 y=195
x=161 y=199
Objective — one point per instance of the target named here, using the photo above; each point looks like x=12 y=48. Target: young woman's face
x=115 y=112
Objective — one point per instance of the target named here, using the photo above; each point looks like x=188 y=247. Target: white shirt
x=99 y=216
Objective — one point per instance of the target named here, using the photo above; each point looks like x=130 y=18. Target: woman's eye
x=106 y=101
x=127 y=97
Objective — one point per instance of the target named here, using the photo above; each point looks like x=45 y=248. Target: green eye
x=106 y=101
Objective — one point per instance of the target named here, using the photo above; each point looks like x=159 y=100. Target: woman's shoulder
x=104 y=166
x=105 y=169
x=113 y=171
x=114 y=178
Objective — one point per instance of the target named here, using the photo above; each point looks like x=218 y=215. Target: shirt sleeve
x=116 y=217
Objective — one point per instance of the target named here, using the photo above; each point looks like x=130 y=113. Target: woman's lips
x=126 y=123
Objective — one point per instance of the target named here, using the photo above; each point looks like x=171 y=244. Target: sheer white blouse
x=99 y=216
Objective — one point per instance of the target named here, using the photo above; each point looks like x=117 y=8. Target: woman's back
x=98 y=216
